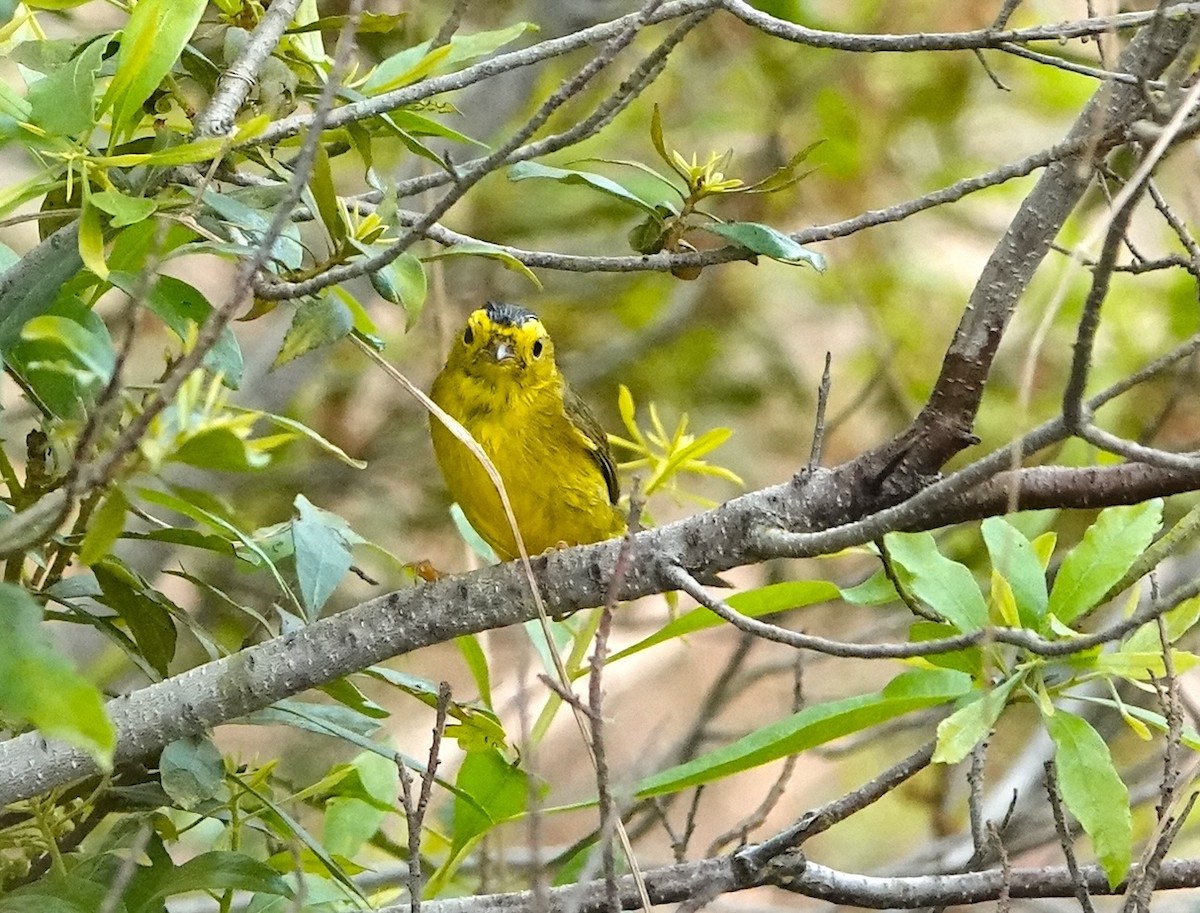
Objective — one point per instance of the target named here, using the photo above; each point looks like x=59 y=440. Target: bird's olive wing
x=595 y=438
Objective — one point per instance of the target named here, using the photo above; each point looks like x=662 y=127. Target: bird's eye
x=468 y=336
x=537 y=349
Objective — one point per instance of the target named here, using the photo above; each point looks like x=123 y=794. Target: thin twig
x=818 y=437
x=414 y=811
x=596 y=697
x=450 y=25
x=902 y=591
x=979 y=828
x=1066 y=841
x=821 y=819
x=1017 y=637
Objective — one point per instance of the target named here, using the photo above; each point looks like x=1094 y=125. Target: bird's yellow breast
x=554 y=483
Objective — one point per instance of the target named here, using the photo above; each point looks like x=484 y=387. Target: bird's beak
x=503 y=350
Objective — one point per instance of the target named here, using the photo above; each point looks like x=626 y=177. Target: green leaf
x=1108 y=550
x=66 y=356
x=346 y=692
x=406 y=67
x=324 y=719
x=54 y=4
x=289 y=828
x=1136 y=666
x=91 y=350
x=324 y=195
x=765 y=240
x=500 y=791
x=660 y=146
x=124 y=210
x=145 y=611
x=1003 y=603
x=786 y=175
x=222 y=448
x=64 y=102
x=21 y=301
x=775 y=597
x=105 y=528
x=411 y=123
x=470 y=536
x=301 y=430
x=317 y=322
x=525 y=170
x=401 y=282
x=960 y=732
x=349 y=820
x=368 y=23
x=57 y=894
x=1189 y=737
x=37 y=685
x=812 y=726
x=487 y=730
x=1013 y=557
x=489 y=251
x=875 y=590
x=12 y=105
x=219 y=870
x=322 y=555
x=476 y=660
x=192 y=771
x=151 y=42
x=190 y=538
x=248 y=223
x=969 y=660
x=419 y=61
x=1093 y=791
x=945 y=586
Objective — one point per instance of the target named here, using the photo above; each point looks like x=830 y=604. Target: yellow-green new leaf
x=106 y=527
x=91 y=240
x=958 y=733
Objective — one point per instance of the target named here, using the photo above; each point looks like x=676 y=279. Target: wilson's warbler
x=502 y=384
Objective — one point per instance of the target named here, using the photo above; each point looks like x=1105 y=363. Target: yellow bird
x=502 y=384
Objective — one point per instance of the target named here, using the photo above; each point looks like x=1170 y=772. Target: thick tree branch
x=710 y=877
x=706 y=544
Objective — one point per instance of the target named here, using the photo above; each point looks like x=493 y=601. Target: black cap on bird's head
x=510 y=315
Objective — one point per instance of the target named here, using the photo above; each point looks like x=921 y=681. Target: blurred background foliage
x=740 y=347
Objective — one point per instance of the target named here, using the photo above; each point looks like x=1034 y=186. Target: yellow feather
x=502 y=384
